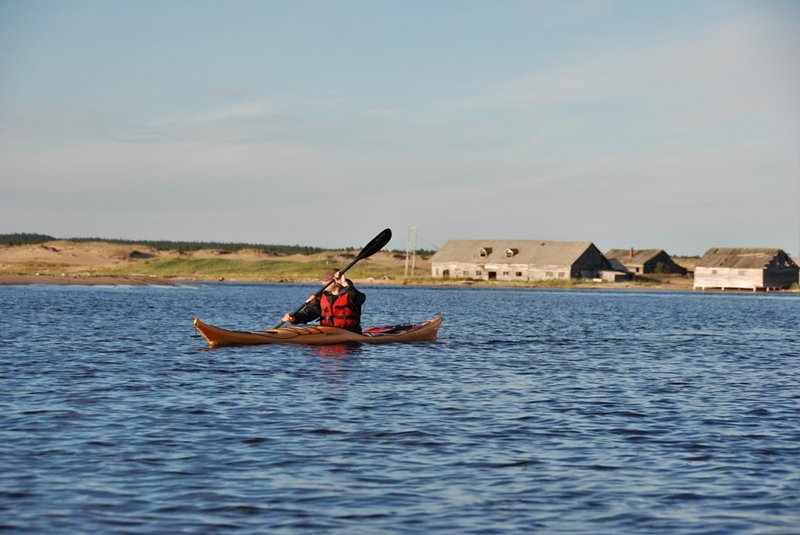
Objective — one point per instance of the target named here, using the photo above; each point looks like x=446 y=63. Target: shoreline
x=68 y=279
x=11 y=279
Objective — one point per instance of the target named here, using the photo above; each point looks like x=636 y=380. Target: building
x=642 y=261
x=520 y=260
x=796 y=260
x=745 y=269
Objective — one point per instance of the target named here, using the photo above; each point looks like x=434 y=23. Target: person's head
x=327 y=278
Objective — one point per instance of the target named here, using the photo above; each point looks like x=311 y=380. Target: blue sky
x=671 y=124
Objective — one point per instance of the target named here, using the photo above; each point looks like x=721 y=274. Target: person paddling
x=339 y=305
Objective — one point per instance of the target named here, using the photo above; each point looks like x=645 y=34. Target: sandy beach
x=65 y=263
x=100 y=280
x=101 y=263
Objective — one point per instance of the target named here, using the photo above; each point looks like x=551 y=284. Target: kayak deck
x=319 y=335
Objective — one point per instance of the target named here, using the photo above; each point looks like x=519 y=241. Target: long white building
x=520 y=260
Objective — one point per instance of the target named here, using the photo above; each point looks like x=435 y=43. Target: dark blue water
x=535 y=411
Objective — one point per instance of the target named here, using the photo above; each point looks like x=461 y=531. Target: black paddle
x=377 y=243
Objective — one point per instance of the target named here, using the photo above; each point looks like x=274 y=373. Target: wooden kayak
x=319 y=335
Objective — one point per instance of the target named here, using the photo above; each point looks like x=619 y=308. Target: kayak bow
x=319 y=335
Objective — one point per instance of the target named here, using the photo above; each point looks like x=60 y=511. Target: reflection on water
x=335 y=352
x=551 y=411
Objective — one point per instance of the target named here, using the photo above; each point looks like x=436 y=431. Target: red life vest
x=339 y=313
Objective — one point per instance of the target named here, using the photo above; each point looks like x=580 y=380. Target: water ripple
x=579 y=412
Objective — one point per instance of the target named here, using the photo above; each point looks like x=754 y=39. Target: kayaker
x=338 y=306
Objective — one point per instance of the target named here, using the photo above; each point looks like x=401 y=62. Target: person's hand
x=340 y=280
x=288 y=318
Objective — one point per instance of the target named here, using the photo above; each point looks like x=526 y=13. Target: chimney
x=631 y=253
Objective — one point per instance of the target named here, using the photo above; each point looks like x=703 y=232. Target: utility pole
x=411 y=250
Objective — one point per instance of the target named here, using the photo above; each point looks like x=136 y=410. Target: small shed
x=519 y=260
x=641 y=261
x=745 y=269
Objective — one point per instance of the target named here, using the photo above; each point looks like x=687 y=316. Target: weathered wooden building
x=641 y=261
x=745 y=268
x=796 y=260
x=520 y=260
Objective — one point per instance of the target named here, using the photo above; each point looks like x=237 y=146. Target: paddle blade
x=377 y=243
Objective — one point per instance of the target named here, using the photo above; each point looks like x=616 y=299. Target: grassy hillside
x=256 y=270
x=68 y=257
x=79 y=258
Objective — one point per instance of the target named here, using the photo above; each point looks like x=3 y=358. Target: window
x=549 y=274
x=561 y=275
x=518 y=274
x=505 y=273
x=478 y=273
x=485 y=251
x=511 y=252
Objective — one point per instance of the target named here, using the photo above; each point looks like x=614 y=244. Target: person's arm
x=355 y=296
x=308 y=313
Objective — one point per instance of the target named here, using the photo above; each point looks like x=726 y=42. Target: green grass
x=266 y=270
x=31 y=268
x=274 y=270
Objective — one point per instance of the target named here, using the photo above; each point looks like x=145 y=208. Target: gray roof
x=640 y=256
x=738 y=257
x=616 y=265
x=534 y=252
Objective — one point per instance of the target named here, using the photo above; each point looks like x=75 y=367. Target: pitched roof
x=535 y=252
x=738 y=257
x=640 y=256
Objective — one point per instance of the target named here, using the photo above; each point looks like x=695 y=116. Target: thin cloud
x=740 y=61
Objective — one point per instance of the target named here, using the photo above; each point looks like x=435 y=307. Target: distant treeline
x=24 y=238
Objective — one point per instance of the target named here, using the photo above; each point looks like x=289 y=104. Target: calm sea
x=535 y=412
